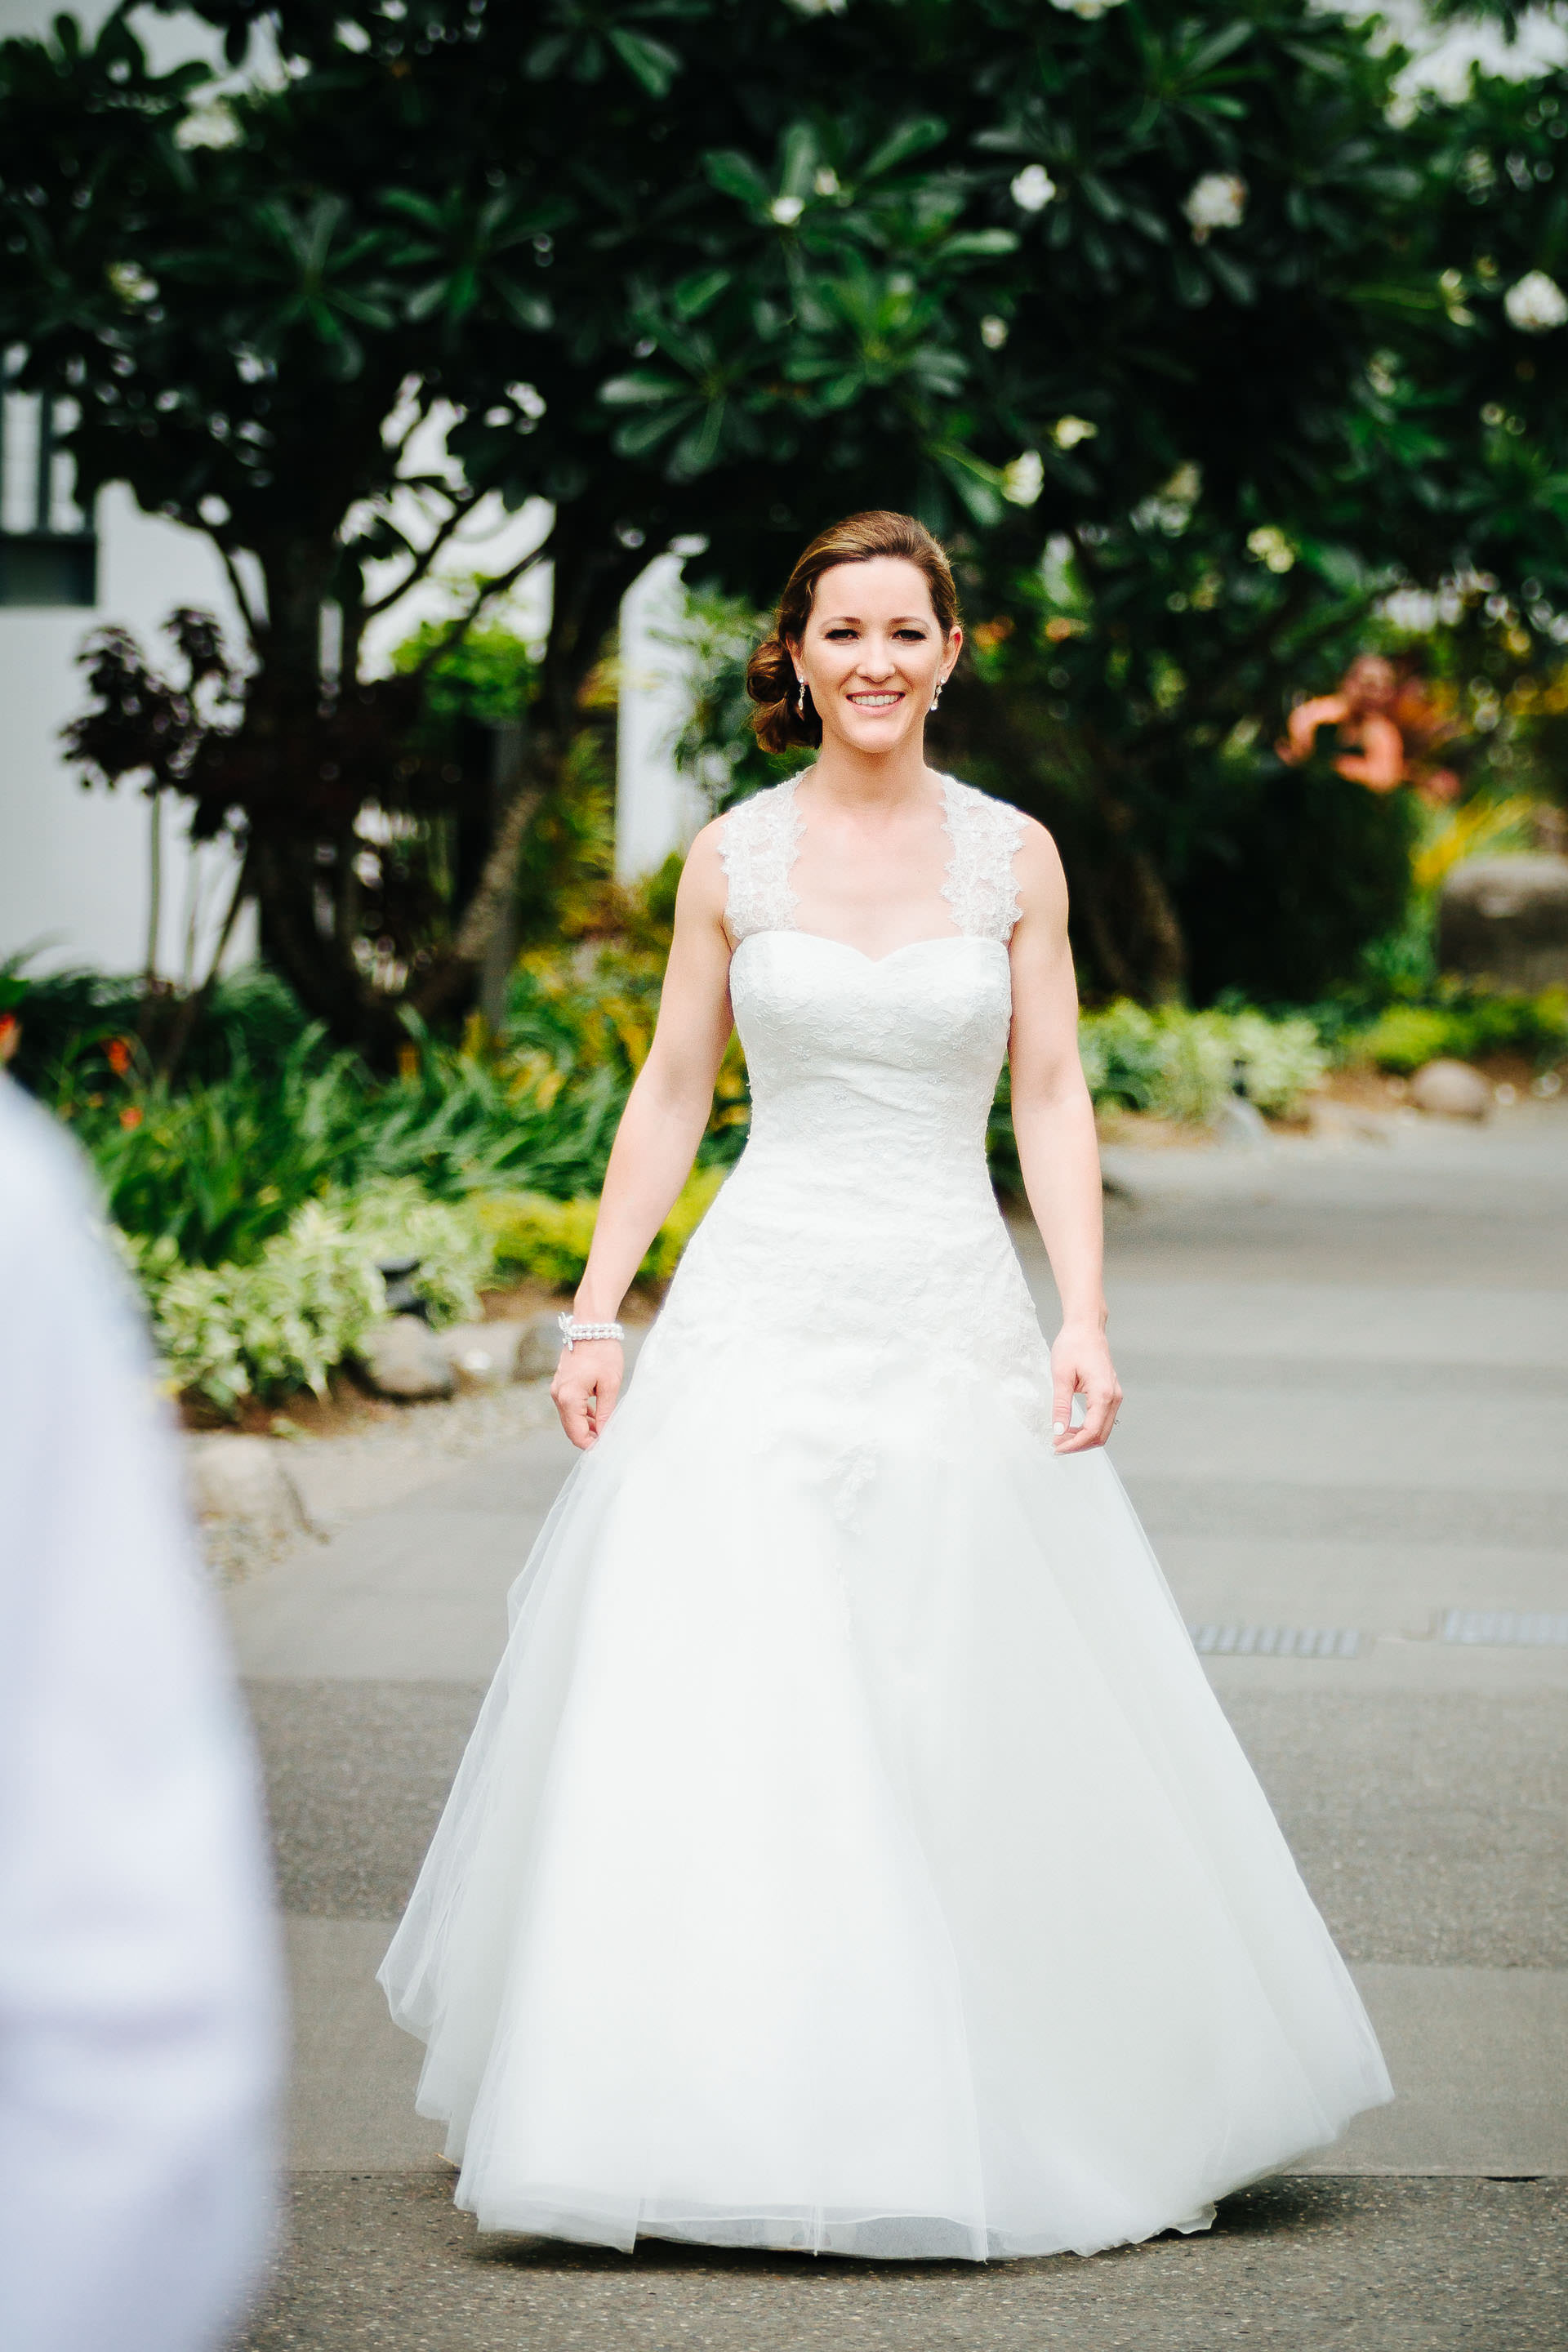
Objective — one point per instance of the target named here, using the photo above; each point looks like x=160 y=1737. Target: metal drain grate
x=1514 y=1628
x=1275 y=1640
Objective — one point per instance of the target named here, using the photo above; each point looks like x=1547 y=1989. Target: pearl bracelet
x=572 y=1331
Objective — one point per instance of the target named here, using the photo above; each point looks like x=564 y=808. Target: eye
x=918 y=635
x=841 y=630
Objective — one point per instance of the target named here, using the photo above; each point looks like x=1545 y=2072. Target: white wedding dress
x=850 y=1855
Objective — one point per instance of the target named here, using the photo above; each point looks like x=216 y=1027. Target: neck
x=872 y=780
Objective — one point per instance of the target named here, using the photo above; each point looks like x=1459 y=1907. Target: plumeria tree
x=1403 y=261
x=691 y=271
x=260 y=298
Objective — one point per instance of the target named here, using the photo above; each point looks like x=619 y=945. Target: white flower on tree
x=994 y=334
x=1034 y=188
x=1536 y=304
x=131 y=283
x=1271 y=546
x=1217 y=201
x=1024 y=479
x=786 y=210
x=1088 y=9
x=207 y=126
x=1069 y=431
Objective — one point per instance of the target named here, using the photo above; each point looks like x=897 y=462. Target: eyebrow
x=899 y=620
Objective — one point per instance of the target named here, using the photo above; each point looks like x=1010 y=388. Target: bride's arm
x=1053 y=1120
x=657 y=1141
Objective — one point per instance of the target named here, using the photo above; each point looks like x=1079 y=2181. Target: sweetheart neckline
x=937 y=939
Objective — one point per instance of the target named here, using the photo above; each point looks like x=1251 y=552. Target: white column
x=658 y=809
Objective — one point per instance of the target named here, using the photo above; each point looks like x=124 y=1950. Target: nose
x=876 y=663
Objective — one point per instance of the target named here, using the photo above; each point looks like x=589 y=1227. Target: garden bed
x=258 y=1198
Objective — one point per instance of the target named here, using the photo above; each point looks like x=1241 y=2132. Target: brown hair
x=770 y=679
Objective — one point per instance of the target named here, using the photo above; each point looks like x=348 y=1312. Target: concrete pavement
x=1347 y=1402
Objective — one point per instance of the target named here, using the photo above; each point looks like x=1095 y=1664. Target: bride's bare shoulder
x=1037 y=874
x=704 y=882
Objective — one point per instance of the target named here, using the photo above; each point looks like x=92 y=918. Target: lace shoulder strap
x=758 y=847
x=980 y=888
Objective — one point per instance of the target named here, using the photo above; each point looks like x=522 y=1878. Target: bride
x=850 y=1855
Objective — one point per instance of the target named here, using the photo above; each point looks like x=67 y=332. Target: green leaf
x=427 y=301
x=1194 y=287
x=642 y=387
x=694 y=295
x=979 y=244
x=528 y=309
x=546 y=56
x=734 y=174
x=654 y=65
x=423 y=209
x=1218 y=45
x=697 y=450
x=1234 y=278
x=800 y=159
x=1316 y=61
x=639 y=435
x=841 y=391
x=911 y=138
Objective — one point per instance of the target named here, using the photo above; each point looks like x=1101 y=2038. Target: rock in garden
x=244 y=1479
x=1452 y=1090
x=538 y=1350
x=1506 y=920
x=1241 y=1124
x=482 y=1355
x=402 y=1358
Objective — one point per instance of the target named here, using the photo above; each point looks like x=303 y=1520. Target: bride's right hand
x=587 y=1382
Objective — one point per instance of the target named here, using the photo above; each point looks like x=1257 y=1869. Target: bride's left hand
x=587 y=1382
x=1081 y=1365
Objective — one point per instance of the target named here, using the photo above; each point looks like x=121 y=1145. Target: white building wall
x=658 y=809
x=74 y=865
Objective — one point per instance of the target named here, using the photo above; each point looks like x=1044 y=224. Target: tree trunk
x=1165 y=957
x=305 y=761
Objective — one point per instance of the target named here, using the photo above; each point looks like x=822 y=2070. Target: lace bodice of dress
x=761 y=841
x=881 y=1066
x=861 y=1212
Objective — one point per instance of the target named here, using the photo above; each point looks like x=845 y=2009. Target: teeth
x=873 y=701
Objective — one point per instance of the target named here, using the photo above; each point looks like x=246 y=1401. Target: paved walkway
x=1347 y=1377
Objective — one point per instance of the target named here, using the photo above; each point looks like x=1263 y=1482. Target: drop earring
x=936 y=697
x=800 y=704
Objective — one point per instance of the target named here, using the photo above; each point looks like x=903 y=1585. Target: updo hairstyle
x=771 y=677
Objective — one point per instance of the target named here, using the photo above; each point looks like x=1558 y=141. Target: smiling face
x=873 y=653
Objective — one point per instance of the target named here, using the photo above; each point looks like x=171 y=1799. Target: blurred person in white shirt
x=139 y=2001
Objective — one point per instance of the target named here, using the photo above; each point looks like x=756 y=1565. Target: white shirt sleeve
x=139 y=2000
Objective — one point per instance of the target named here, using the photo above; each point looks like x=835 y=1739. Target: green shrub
x=1404 y=1037
x=1278 y=1062
x=70 y=1020
x=1463 y=1024
x=287 y=1319
x=220 y=1166
x=531 y=1234
x=218 y=1170
x=1182 y=1065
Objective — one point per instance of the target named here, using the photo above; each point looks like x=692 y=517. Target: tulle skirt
x=862 y=1868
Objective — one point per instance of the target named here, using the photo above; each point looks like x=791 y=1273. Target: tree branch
x=497 y=882
x=185 y=1021
x=254 y=627
x=424 y=559
x=491 y=589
